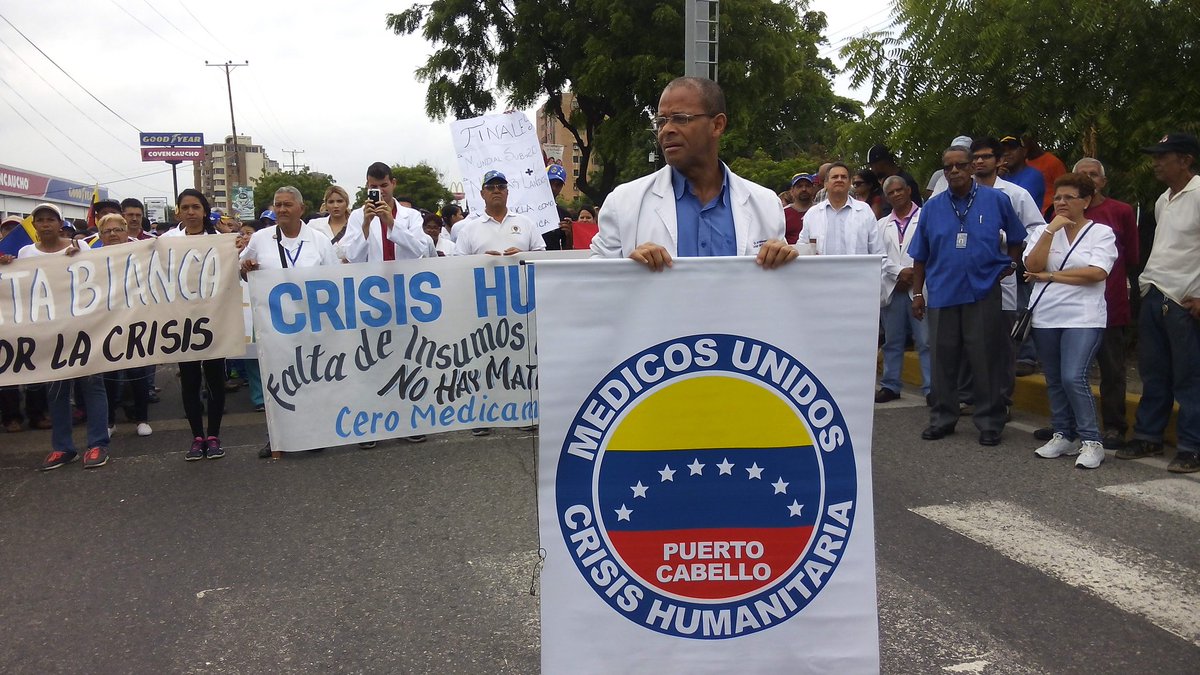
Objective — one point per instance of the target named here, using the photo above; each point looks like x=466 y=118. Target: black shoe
x=1138 y=448
x=884 y=395
x=1185 y=462
x=1025 y=369
x=928 y=400
x=368 y=445
x=989 y=438
x=1043 y=434
x=933 y=433
x=265 y=452
x=1114 y=440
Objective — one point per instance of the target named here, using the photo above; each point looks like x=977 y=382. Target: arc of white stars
x=667 y=473
x=639 y=490
x=695 y=468
x=780 y=486
x=726 y=469
x=755 y=471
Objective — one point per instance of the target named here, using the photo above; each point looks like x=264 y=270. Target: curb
x=1029 y=395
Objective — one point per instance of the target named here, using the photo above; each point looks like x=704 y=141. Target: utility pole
x=293 y=153
x=239 y=165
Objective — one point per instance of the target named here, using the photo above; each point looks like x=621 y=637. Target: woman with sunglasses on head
x=1069 y=259
x=192 y=209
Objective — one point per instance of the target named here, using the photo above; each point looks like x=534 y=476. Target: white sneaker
x=112 y=430
x=1057 y=446
x=1092 y=455
x=144 y=429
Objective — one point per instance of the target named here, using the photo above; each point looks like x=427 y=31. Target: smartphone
x=373 y=195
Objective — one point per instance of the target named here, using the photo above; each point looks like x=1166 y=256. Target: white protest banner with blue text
x=142 y=303
x=365 y=352
x=704 y=467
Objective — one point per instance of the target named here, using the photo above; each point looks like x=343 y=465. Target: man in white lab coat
x=695 y=206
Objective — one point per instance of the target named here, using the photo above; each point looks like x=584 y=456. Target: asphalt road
x=423 y=558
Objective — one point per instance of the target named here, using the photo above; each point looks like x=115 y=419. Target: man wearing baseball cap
x=883 y=164
x=48 y=220
x=1169 y=322
x=802 y=190
x=557 y=177
x=498 y=231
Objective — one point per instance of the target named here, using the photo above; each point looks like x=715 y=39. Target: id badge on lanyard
x=960 y=241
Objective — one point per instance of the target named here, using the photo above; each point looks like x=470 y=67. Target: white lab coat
x=897 y=253
x=406 y=233
x=643 y=211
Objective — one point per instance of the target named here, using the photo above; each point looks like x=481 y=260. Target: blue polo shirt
x=703 y=229
x=959 y=276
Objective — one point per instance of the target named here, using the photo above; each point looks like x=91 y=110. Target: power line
x=143 y=24
x=203 y=27
x=164 y=18
x=47 y=139
x=64 y=96
x=64 y=72
x=55 y=126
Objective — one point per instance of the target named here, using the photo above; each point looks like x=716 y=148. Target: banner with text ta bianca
x=142 y=303
x=367 y=352
x=704 y=485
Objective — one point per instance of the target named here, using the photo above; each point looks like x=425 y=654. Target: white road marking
x=200 y=595
x=979 y=666
x=1176 y=496
x=1163 y=592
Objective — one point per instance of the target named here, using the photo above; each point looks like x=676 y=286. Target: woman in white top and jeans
x=1069 y=259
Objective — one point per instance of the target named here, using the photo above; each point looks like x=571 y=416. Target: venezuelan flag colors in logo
x=706 y=488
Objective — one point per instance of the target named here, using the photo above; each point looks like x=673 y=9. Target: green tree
x=1089 y=78
x=615 y=56
x=311 y=185
x=774 y=173
x=421 y=183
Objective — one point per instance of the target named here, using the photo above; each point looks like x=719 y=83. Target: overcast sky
x=309 y=86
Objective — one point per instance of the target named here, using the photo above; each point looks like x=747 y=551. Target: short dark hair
x=131 y=203
x=990 y=142
x=836 y=165
x=710 y=92
x=1079 y=181
x=379 y=171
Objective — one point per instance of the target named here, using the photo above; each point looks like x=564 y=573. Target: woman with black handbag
x=1069 y=259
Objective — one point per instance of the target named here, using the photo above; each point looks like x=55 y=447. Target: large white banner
x=704 y=485
x=506 y=143
x=356 y=353
x=142 y=303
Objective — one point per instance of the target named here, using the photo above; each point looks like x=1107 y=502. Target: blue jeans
x=254 y=378
x=897 y=321
x=1169 y=363
x=96 y=401
x=1067 y=355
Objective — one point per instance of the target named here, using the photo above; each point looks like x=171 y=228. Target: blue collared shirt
x=960 y=276
x=703 y=229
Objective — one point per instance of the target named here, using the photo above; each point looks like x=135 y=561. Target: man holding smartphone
x=381 y=229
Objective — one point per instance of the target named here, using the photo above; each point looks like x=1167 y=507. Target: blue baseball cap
x=214 y=215
x=493 y=175
x=811 y=178
x=268 y=214
x=556 y=172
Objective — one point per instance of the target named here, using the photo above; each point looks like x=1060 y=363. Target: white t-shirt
x=31 y=251
x=1031 y=218
x=309 y=249
x=1067 y=305
x=483 y=234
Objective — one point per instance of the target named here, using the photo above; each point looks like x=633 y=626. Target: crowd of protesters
x=1004 y=260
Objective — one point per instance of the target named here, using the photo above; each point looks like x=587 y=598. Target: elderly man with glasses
x=497 y=231
x=695 y=206
x=957 y=250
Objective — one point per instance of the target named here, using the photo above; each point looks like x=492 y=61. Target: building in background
x=558 y=142
x=216 y=174
x=21 y=190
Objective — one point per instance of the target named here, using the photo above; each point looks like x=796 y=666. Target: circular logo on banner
x=707 y=487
